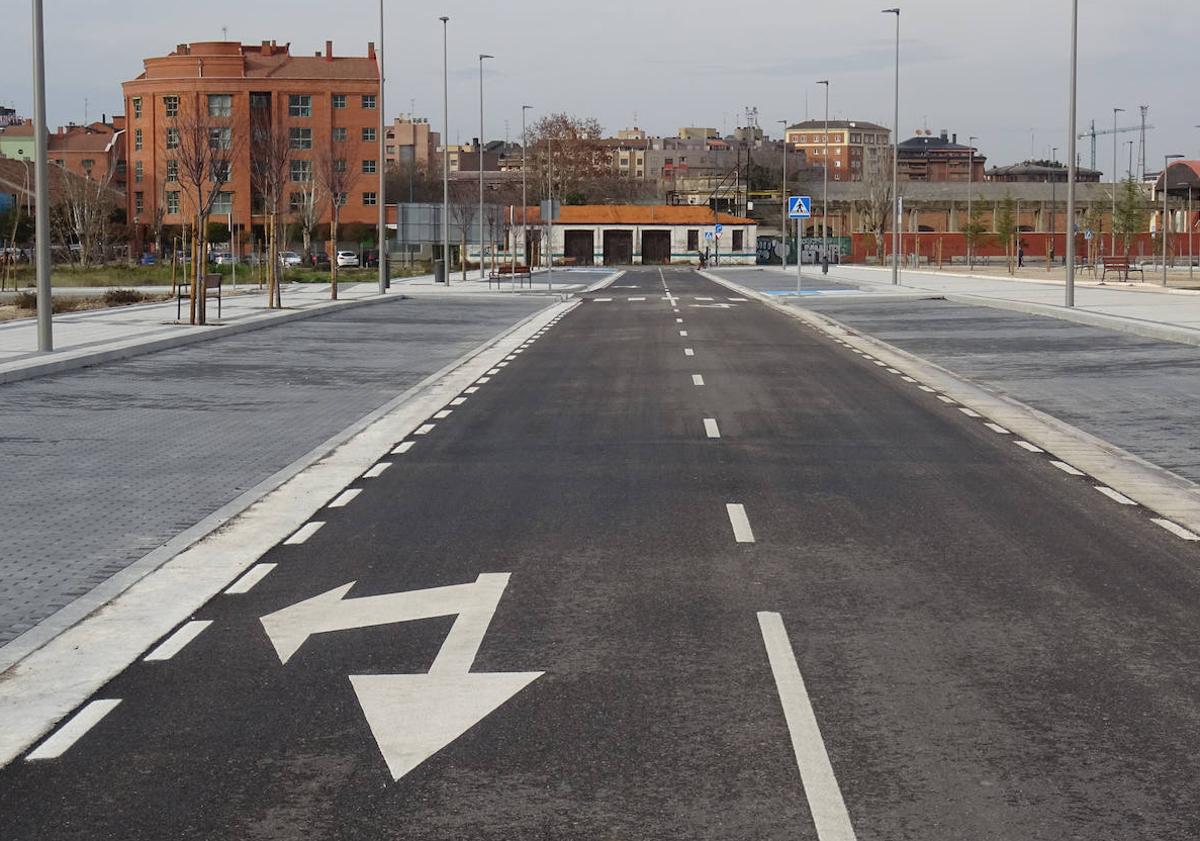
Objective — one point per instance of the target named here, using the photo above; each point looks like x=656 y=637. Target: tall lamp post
x=970 y=183
x=896 y=158
x=1071 y=161
x=783 y=197
x=482 y=268
x=45 y=337
x=1053 y=202
x=381 y=167
x=825 y=188
x=445 y=158
x=524 y=188
x=1113 y=225
x=1166 y=221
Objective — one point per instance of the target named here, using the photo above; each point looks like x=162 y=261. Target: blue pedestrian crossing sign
x=799 y=207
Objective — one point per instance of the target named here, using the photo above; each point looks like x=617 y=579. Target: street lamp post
x=1053 y=202
x=1071 y=162
x=524 y=187
x=445 y=158
x=970 y=183
x=381 y=168
x=1113 y=224
x=45 y=336
x=482 y=268
x=1166 y=222
x=896 y=159
x=783 y=198
x=825 y=188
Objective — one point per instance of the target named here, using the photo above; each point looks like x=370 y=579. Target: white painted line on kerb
x=173 y=644
x=471 y=390
x=926 y=389
x=971 y=413
x=73 y=730
x=403 y=448
x=880 y=364
x=345 y=498
x=892 y=371
x=458 y=401
x=683 y=333
x=997 y=428
x=945 y=399
x=631 y=300
x=742 y=532
x=424 y=429
x=1033 y=448
x=711 y=429
x=510 y=357
x=825 y=802
x=697 y=379
x=443 y=414
x=303 y=533
x=908 y=379
x=492 y=373
x=1115 y=496
x=484 y=380
x=502 y=365
x=602 y=300
x=1066 y=468
x=1175 y=529
x=679 y=321
x=377 y=471
x=246 y=583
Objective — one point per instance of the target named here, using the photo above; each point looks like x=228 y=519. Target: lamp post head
x=482 y=56
x=526 y=107
x=824 y=82
x=444 y=19
x=895 y=12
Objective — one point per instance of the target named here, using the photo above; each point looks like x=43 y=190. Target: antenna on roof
x=224 y=33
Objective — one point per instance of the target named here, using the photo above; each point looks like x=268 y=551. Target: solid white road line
x=711 y=429
x=246 y=583
x=971 y=413
x=1115 y=496
x=377 y=471
x=997 y=428
x=1033 y=448
x=742 y=532
x=683 y=333
x=687 y=351
x=345 y=498
x=173 y=644
x=303 y=533
x=424 y=429
x=825 y=802
x=443 y=414
x=697 y=379
x=458 y=401
x=1175 y=529
x=1066 y=468
x=631 y=300
x=73 y=730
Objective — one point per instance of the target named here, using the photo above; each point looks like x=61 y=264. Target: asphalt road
x=991 y=648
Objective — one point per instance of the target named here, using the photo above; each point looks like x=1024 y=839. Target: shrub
x=26 y=300
x=121 y=297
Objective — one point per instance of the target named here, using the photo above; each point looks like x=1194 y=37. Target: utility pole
x=1142 y=145
x=1071 y=157
x=482 y=267
x=825 y=189
x=41 y=183
x=783 y=198
x=970 y=183
x=382 y=167
x=895 y=159
x=445 y=156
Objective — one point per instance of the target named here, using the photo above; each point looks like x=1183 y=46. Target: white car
x=290 y=258
x=347 y=260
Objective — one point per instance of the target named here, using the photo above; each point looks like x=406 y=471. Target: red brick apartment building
x=320 y=98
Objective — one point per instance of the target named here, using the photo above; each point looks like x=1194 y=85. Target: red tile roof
x=638 y=214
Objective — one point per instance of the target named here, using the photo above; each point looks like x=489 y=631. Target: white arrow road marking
x=412 y=717
x=73 y=730
x=825 y=802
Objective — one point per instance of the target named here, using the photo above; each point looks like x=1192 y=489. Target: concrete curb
x=1156 y=488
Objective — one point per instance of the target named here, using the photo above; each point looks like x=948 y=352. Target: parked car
x=320 y=260
x=290 y=258
x=370 y=259
x=347 y=260
x=221 y=258
x=148 y=260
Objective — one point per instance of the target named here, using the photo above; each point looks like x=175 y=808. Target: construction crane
x=1094 y=132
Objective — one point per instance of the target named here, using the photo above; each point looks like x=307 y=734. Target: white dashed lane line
x=246 y=583
x=443 y=414
x=697 y=379
x=73 y=730
x=175 y=643
x=471 y=390
x=458 y=401
x=927 y=389
x=303 y=533
x=484 y=380
x=683 y=333
x=377 y=471
x=742 y=532
x=1175 y=529
x=997 y=428
x=424 y=429
x=403 y=448
x=1115 y=496
x=1066 y=468
x=1033 y=448
x=945 y=399
x=908 y=379
x=971 y=413
x=345 y=498
x=711 y=429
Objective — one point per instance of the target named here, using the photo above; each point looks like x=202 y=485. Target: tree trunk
x=333 y=266
x=462 y=256
x=191 y=256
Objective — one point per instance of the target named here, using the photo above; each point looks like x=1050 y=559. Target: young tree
x=874 y=206
x=337 y=178
x=270 y=151
x=464 y=208
x=309 y=210
x=1133 y=217
x=84 y=214
x=973 y=233
x=1006 y=229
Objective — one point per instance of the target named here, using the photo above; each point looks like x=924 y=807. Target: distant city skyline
x=996 y=71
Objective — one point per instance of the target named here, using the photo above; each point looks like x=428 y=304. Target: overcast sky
x=992 y=68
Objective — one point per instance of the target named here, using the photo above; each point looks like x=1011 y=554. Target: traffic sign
x=1088 y=234
x=718 y=228
x=708 y=234
x=799 y=207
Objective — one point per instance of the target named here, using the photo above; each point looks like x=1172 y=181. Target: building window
x=295 y=202
x=223 y=205
x=299 y=105
x=368 y=101
x=738 y=240
x=171 y=106
x=341 y=199
x=137 y=140
x=339 y=135
x=137 y=107
x=693 y=240
x=219 y=172
x=301 y=171
x=368 y=135
x=220 y=105
x=300 y=138
x=139 y=202
x=220 y=138
x=368 y=167
x=172 y=138
x=172 y=170
x=138 y=173
x=339 y=100
x=391 y=150
x=173 y=201
x=369 y=199
x=260 y=101
x=120 y=170
x=339 y=165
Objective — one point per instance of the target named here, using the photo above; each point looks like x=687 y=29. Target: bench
x=1122 y=266
x=509 y=271
x=211 y=288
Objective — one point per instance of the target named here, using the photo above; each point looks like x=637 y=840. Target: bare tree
x=568 y=149
x=464 y=208
x=83 y=215
x=270 y=151
x=874 y=204
x=309 y=208
x=206 y=148
x=337 y=178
